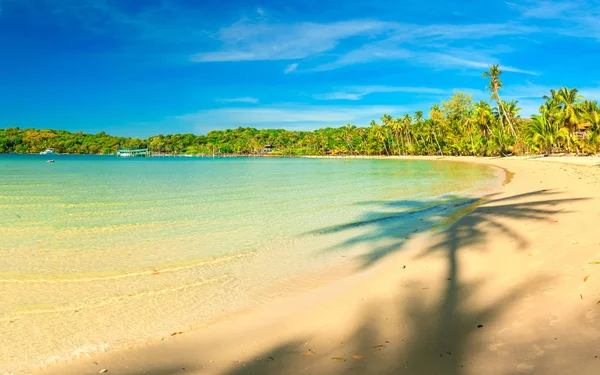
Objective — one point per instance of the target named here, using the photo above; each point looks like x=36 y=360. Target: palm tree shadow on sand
x=387 y=228
x=423 y=334
x=441 y=333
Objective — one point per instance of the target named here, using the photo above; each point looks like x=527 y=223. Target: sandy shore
x=512 y=287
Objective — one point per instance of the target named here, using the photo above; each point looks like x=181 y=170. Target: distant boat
x=49 y=151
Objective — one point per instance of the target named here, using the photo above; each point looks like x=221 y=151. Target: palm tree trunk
x=472 y=144
x=385 y=147
x=512 y=129
x=424 y=143
x=438 y=143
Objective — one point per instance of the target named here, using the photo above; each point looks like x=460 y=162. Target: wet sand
x=513 y=287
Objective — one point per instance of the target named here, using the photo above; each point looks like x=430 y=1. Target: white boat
x=48 y=151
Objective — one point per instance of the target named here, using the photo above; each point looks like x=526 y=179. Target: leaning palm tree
x=396 y=128
x=348 y=136
x=495 y=86
x=431 y=126
x=419 y=129
x=380 y=135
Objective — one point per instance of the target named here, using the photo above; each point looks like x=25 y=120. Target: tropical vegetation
x=459 y=126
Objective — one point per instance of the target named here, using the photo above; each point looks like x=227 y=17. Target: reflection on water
x=102 y=252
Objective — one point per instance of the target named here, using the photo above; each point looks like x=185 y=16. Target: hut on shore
x=267 y=149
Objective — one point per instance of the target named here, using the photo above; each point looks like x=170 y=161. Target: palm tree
x=435 y=117
x=348 y=136
x=495 y=86
x=396 y=129
x=407 y=122
x=419 y=129
x=568 y=100
x=589 y=112
x=499 y=141
x=483 y=116
x=544 y=133
x=362 y=132
x=380 y=135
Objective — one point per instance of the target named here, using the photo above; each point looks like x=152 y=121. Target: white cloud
x=245 y=41
x=358 y=92
x=575 y=18
x=340 y=95
x=244 y=99
x=294 y=116
x=260 y=11
x=542 y=9
x=261 y=41
x=367 y=53
x=445 y=60
x=290 y=68
x=444 y=32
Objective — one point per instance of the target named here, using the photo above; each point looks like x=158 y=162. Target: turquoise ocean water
x=100 y=252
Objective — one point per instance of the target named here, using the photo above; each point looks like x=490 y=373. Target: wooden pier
x=134 y=153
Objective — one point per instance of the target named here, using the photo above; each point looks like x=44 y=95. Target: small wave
x=111 y=301
x=114 y=275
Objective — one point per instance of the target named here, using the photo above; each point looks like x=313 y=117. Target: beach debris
x=586 y=278
x=155 y=271
x=176 y=333
x=358 y=356
x=581 y=295
x=95 y=362
x=103 y=371
x=403 y=267
x=338 y=359
x=379 y=346
x=271 y=359
x=594 y=262
x=480 y=326
x=309 y=352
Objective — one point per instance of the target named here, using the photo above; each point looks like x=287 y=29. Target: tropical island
x=566 y=122
x=502 y=278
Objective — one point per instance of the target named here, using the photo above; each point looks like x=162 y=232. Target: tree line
x=566 y=122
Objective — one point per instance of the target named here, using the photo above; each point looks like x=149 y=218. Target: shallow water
x=100 y=252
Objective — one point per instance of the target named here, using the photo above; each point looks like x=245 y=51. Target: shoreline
x=251 y=335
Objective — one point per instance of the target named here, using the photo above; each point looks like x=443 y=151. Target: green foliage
x=457 y=126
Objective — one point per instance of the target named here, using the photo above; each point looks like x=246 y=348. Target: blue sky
x=137 y=68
